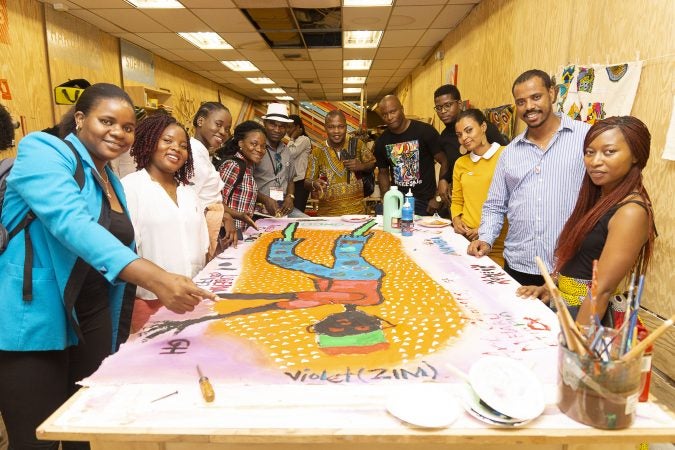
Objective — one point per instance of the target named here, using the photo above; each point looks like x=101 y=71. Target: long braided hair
x=148 y=133
x=591 y=207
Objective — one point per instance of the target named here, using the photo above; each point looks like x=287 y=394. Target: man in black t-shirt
x=406 y=154
x=448 y=104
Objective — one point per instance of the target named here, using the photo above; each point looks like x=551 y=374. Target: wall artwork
x=593 y=92
x=324 y=301
x=503 y=118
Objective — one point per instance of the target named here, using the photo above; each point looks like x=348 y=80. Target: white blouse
x=206 y=178
x=172 y=236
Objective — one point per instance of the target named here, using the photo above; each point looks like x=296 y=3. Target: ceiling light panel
x=260 y=80
x=211 y=41
x=357 y=64
x=240 y=66
x=156 y=4
x=352 y=90
x=285 y=98
x=367 y=2
x=361 y=39
x=353 y=80
x=276 y=90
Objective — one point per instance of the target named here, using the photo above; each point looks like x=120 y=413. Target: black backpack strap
x=28 y=258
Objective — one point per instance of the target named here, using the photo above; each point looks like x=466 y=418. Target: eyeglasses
x=446 y=106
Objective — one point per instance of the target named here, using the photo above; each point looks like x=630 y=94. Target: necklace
x=106 y=180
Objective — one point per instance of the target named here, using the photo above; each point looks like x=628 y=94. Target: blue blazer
x=69 y=234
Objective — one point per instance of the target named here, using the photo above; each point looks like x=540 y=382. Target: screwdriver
x=205 y=385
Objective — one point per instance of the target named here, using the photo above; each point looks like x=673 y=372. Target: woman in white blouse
x=168 y=218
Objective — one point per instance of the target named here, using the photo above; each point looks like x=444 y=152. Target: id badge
x=277 y=194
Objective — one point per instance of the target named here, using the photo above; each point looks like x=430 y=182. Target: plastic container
x=411 y=199
x=391 y=210
x=407 y=215
x=602 y=394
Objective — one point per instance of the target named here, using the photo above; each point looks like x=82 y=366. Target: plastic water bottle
x=407 y=214
x=391 y=210
x=409 y=198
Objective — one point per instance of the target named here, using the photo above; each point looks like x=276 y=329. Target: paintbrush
x=566 y=321
x=638 y=349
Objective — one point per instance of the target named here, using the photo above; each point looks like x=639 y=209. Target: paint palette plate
x=508 y=386
x=481 y=411
x=428 y=405
x=434 y=222
x=356 y=218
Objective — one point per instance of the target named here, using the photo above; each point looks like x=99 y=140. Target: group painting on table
x=325 y=301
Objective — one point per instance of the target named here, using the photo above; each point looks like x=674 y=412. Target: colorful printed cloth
x=243 y=198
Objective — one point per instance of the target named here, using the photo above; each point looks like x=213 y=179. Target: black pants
x=34 y=384
x=301 y=196
x=525 y=279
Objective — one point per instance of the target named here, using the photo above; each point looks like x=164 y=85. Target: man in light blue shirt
x=536 y=182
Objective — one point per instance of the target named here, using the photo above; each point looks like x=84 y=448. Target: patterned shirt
x=536 y=190
x=341 y=197
x=243 y=197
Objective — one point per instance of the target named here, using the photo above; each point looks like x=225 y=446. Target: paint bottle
x=407 y=214
x=391 y=210
x=409 y=198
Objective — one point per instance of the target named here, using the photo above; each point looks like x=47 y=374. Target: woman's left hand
x=230 y=232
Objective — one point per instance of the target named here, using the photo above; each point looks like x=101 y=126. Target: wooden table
x=298 y=416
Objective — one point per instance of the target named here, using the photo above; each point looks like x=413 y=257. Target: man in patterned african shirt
x=333 y=172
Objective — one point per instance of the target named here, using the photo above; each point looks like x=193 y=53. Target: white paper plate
x=428 y=405
x=508 y=387
x=356 y=218
x=484 y=413
x=434 y=222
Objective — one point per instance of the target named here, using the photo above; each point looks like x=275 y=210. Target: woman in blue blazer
x=64 y=307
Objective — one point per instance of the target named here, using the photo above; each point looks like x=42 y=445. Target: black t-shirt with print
x=409 y=157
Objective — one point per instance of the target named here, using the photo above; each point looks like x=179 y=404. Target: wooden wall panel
x=22 y=63
x=189 y=90
x=77 y=49
x=500 y=39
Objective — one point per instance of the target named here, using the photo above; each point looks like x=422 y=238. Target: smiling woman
x=64 y=273
x=169 y=223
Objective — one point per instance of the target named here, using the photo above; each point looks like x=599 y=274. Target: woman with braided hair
x=169 y=222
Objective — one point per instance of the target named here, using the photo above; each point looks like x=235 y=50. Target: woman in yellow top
x=471 y=178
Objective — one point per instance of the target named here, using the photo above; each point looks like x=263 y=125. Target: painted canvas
x=326 y=301
x=503 y=118
x=593 y=92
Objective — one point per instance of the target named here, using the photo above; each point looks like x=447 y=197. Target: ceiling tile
x=166 y=54
x=250 y=41
x=93 y=4
x=386 y=64
x=272 y=64
x=292 y=54
x=168 y=41
x=178 y=20
x=333 y=80
x=326 y=54
x=393 y=53
x=314 y=3
x=450 y=16
x=424 y=2
x=192 y=54
x=131 y=37
x=96 y=21
x=398 y=38
x=278 y=74
x=328 y=65
x=432 y=37
x=357 y=18
x=412 y=17
x=225 y=55
x=380 y=72
x=209 y=65
x=331 y=86
x=131 y=20
x=359 y=53
x=420 y=52
x=375 y=79
x=410 y=63
x=299 y=65
x=225 y=20
x=207 y=3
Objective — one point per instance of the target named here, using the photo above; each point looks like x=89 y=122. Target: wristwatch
x=291 y=196
x=439 y=199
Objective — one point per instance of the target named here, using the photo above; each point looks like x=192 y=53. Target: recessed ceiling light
x=206 y=40
x=352 y=90
x=260 y=80
x=357 y=64
x=367 y=2
x=240 y=66
x=353 y=80
x=285 y=98
x=361 y=39
x=156 y=4
x=274 y=91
